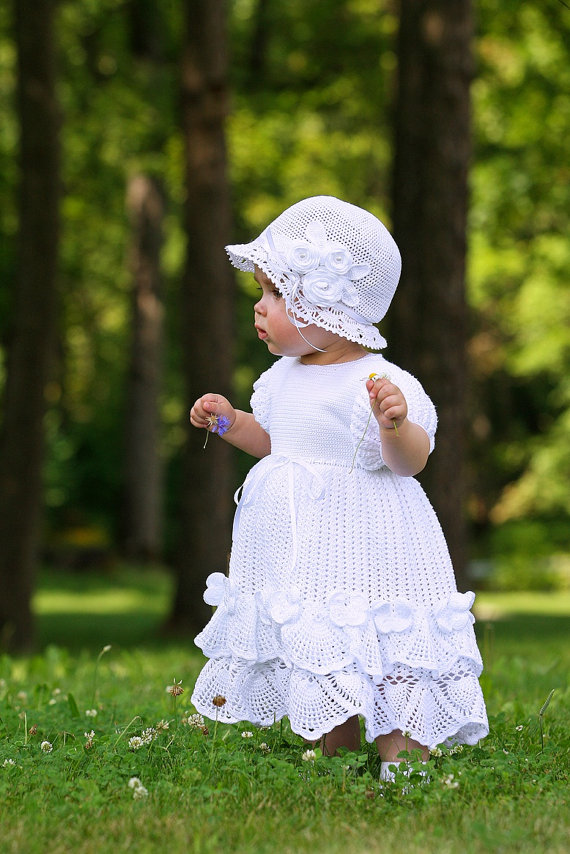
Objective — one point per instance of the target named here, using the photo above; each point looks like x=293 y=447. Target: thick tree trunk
x=207 y=308
x=142 y=495
x=432 y=152
x=33 y=320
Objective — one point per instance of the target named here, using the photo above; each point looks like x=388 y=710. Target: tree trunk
x=142 y=496
x=432 y=152
x=33 y=320
x=207 y=309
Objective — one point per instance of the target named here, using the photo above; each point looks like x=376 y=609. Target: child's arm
x=405 y=445
x=244 y=431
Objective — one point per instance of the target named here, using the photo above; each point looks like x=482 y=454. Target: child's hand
x=388 y=403
x=211 y=410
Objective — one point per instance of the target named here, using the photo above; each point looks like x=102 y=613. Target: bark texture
x=33 y=318
x=207 y=308
x=430 y=196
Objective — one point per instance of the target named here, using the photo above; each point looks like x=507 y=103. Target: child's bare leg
x=344 y=735
x=394 y=742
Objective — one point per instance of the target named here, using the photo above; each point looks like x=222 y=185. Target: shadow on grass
x=93 y=631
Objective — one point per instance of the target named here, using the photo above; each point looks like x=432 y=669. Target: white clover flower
x=134 y=783
x=8 y=763
x=149 y=735
x=406 y=733
x=519 y=728
x=22 y=696
x=90 y=713
x=309 y=756
x=136 y=742
x=450 y=782
x=196 y=721
x=46 y=746
x=162 y=725
x=436 y=751
x=247 y=734
x=52 y=701
x=90 y=735
x=139 y=793
x=264 y=747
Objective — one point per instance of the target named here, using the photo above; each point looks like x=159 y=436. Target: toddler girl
x=341 y=600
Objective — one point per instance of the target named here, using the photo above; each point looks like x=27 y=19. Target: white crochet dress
x=341 y=598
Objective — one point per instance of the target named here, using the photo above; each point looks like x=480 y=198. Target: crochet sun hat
x=336 y=265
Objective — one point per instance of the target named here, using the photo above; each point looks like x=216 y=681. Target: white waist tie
x=260 y=472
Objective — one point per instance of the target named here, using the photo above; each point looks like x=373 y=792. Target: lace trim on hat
x=334 y=318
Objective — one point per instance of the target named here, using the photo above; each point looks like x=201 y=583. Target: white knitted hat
x=336 y=265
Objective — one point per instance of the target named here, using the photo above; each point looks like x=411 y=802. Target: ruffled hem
x=447 y=710
x=347 y=630
x=399 y=665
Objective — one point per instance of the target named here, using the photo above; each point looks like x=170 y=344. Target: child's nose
x=259 y=307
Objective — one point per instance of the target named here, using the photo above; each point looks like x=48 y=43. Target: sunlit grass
x=210 y=789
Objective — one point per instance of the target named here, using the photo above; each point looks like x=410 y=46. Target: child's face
x=276 y=329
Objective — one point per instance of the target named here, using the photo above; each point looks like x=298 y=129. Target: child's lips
x=261 y=333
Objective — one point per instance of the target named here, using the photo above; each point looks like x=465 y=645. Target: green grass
x=215 y=790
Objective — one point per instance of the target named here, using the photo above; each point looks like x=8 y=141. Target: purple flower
x=221 y=425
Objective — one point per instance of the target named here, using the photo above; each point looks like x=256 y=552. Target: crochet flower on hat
x=326 y=269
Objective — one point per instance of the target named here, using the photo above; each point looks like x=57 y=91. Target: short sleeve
x=364 y=427
x=259 y=401
x=420 y=407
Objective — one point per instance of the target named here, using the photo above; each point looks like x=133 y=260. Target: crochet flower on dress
x=220 y=590
x=284 y=605
x=348 y=610
x=393 y=617
x=326 y=269
x=456 y=614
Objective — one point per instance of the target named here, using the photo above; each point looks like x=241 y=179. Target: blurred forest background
x=171 y=127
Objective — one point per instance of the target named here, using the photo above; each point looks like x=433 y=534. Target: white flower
x=46 y=746
x=216 y=584
x=149 y=735
x=196 y=721
x=309 y=756
x=519 y=728
x=337 y=259
x=134 y=783
x=264 y=747
x=406 y=733
x=450 y=782
x=91 y=713
x=436 y=751
x=247 y=734
x=393 y=617
x=136 y=742
x=162 y=725
x=52 y=701
x=348 y=610
x=139 y=793
x=22 y=696
x=285 y=605
x=8 y=763
x=323 y=288
x=302 y=257
x=455 y=614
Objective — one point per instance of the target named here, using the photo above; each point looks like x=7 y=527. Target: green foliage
x=312 y=93
x=519 y=251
